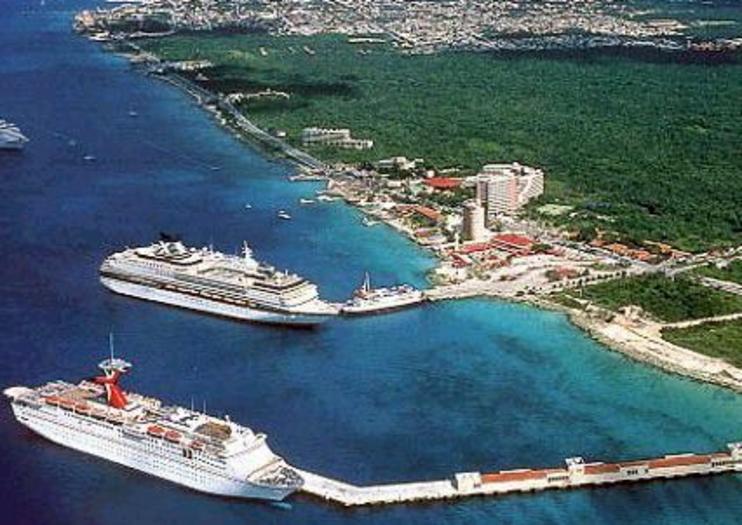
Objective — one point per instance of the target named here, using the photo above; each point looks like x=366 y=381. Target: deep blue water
x=475 y=385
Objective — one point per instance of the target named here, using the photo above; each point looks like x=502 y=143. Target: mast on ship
x=113 y=368
x=365 y=288
x=246 y=252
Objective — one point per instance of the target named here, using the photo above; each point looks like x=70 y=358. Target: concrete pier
x=577 y=473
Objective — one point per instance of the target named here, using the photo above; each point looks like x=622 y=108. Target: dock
x=575 y=474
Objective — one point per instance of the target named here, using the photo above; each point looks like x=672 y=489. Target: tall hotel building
x=504 y=188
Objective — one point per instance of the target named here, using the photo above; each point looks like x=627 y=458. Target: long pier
x=576 y=474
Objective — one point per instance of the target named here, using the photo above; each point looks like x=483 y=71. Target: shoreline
x=615 y=337
x=636 y=344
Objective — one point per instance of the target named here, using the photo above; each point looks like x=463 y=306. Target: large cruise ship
x=367 y=300
x=11 y=136
x=209 y=281
x=205 y=453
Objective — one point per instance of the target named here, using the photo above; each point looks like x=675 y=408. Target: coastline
x=635 y=344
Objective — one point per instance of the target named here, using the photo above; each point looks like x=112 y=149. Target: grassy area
x=715 y=339
x=732 y=272
x=566 y=300
x=645 y=145
x=668 y=300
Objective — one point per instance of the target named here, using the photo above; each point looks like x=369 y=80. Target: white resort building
x=339 y=137
x=504 y=188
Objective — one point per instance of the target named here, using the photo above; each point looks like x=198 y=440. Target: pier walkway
x=577 y=473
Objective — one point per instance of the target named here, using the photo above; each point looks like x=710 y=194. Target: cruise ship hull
x=12 y=145
x=203 y=304
x=114 y=445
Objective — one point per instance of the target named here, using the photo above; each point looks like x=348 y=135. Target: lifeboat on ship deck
x=82 y=408
x=52 y=400
x=172 y=436
x=115 y=419
x=155 y=431
x=66 y=404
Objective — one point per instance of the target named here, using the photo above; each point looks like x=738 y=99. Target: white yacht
x=368 y=300
x=11 y=137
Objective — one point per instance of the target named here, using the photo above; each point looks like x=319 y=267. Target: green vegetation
x=566 y=300
x=732 y=272
x=715 y=339
x=644 y=145
x=452 y=198
x=668 y=300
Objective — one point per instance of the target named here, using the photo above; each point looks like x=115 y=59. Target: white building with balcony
x=504 y=188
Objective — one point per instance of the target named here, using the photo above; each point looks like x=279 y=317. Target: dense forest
x=668 y=300
x=647 y=145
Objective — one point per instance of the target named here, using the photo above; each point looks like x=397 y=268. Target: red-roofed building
x=513 y=475
x=512 y=243
x=443 y=183
x=474 y=248
x=429 y=213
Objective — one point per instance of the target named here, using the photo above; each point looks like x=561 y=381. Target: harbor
x=98 y=417
x=461 y=390
x=576 y=474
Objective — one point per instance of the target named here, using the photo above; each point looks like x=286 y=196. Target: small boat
x=369 y=222
x=283 y=214
x=133 y=113
x=89 y=158
x=326 y=198
x=368 y=300
x=306 y=201
x=248 y=206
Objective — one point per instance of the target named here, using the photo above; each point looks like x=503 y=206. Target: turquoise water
x=473 y=385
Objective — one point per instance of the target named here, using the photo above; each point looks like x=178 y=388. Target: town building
x=504 y=188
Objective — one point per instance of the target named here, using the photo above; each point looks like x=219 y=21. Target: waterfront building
x=398 y=163
x=504 y=188
x=473 y=228
x=338 y=137
x=427 y=215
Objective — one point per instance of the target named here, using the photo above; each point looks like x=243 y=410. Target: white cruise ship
x=368 y=300
x=209 y=281
x=11 y=136
x=205 y=453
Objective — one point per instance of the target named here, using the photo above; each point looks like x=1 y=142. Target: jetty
x=576 y=473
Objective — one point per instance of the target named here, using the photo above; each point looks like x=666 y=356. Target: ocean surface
x=472 y=385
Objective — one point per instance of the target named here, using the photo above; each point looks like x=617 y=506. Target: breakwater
x=577 y=473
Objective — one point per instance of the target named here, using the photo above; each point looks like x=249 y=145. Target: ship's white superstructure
x=370 y=300
x=209 y=281
x=205 y=453
x=11 y=136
